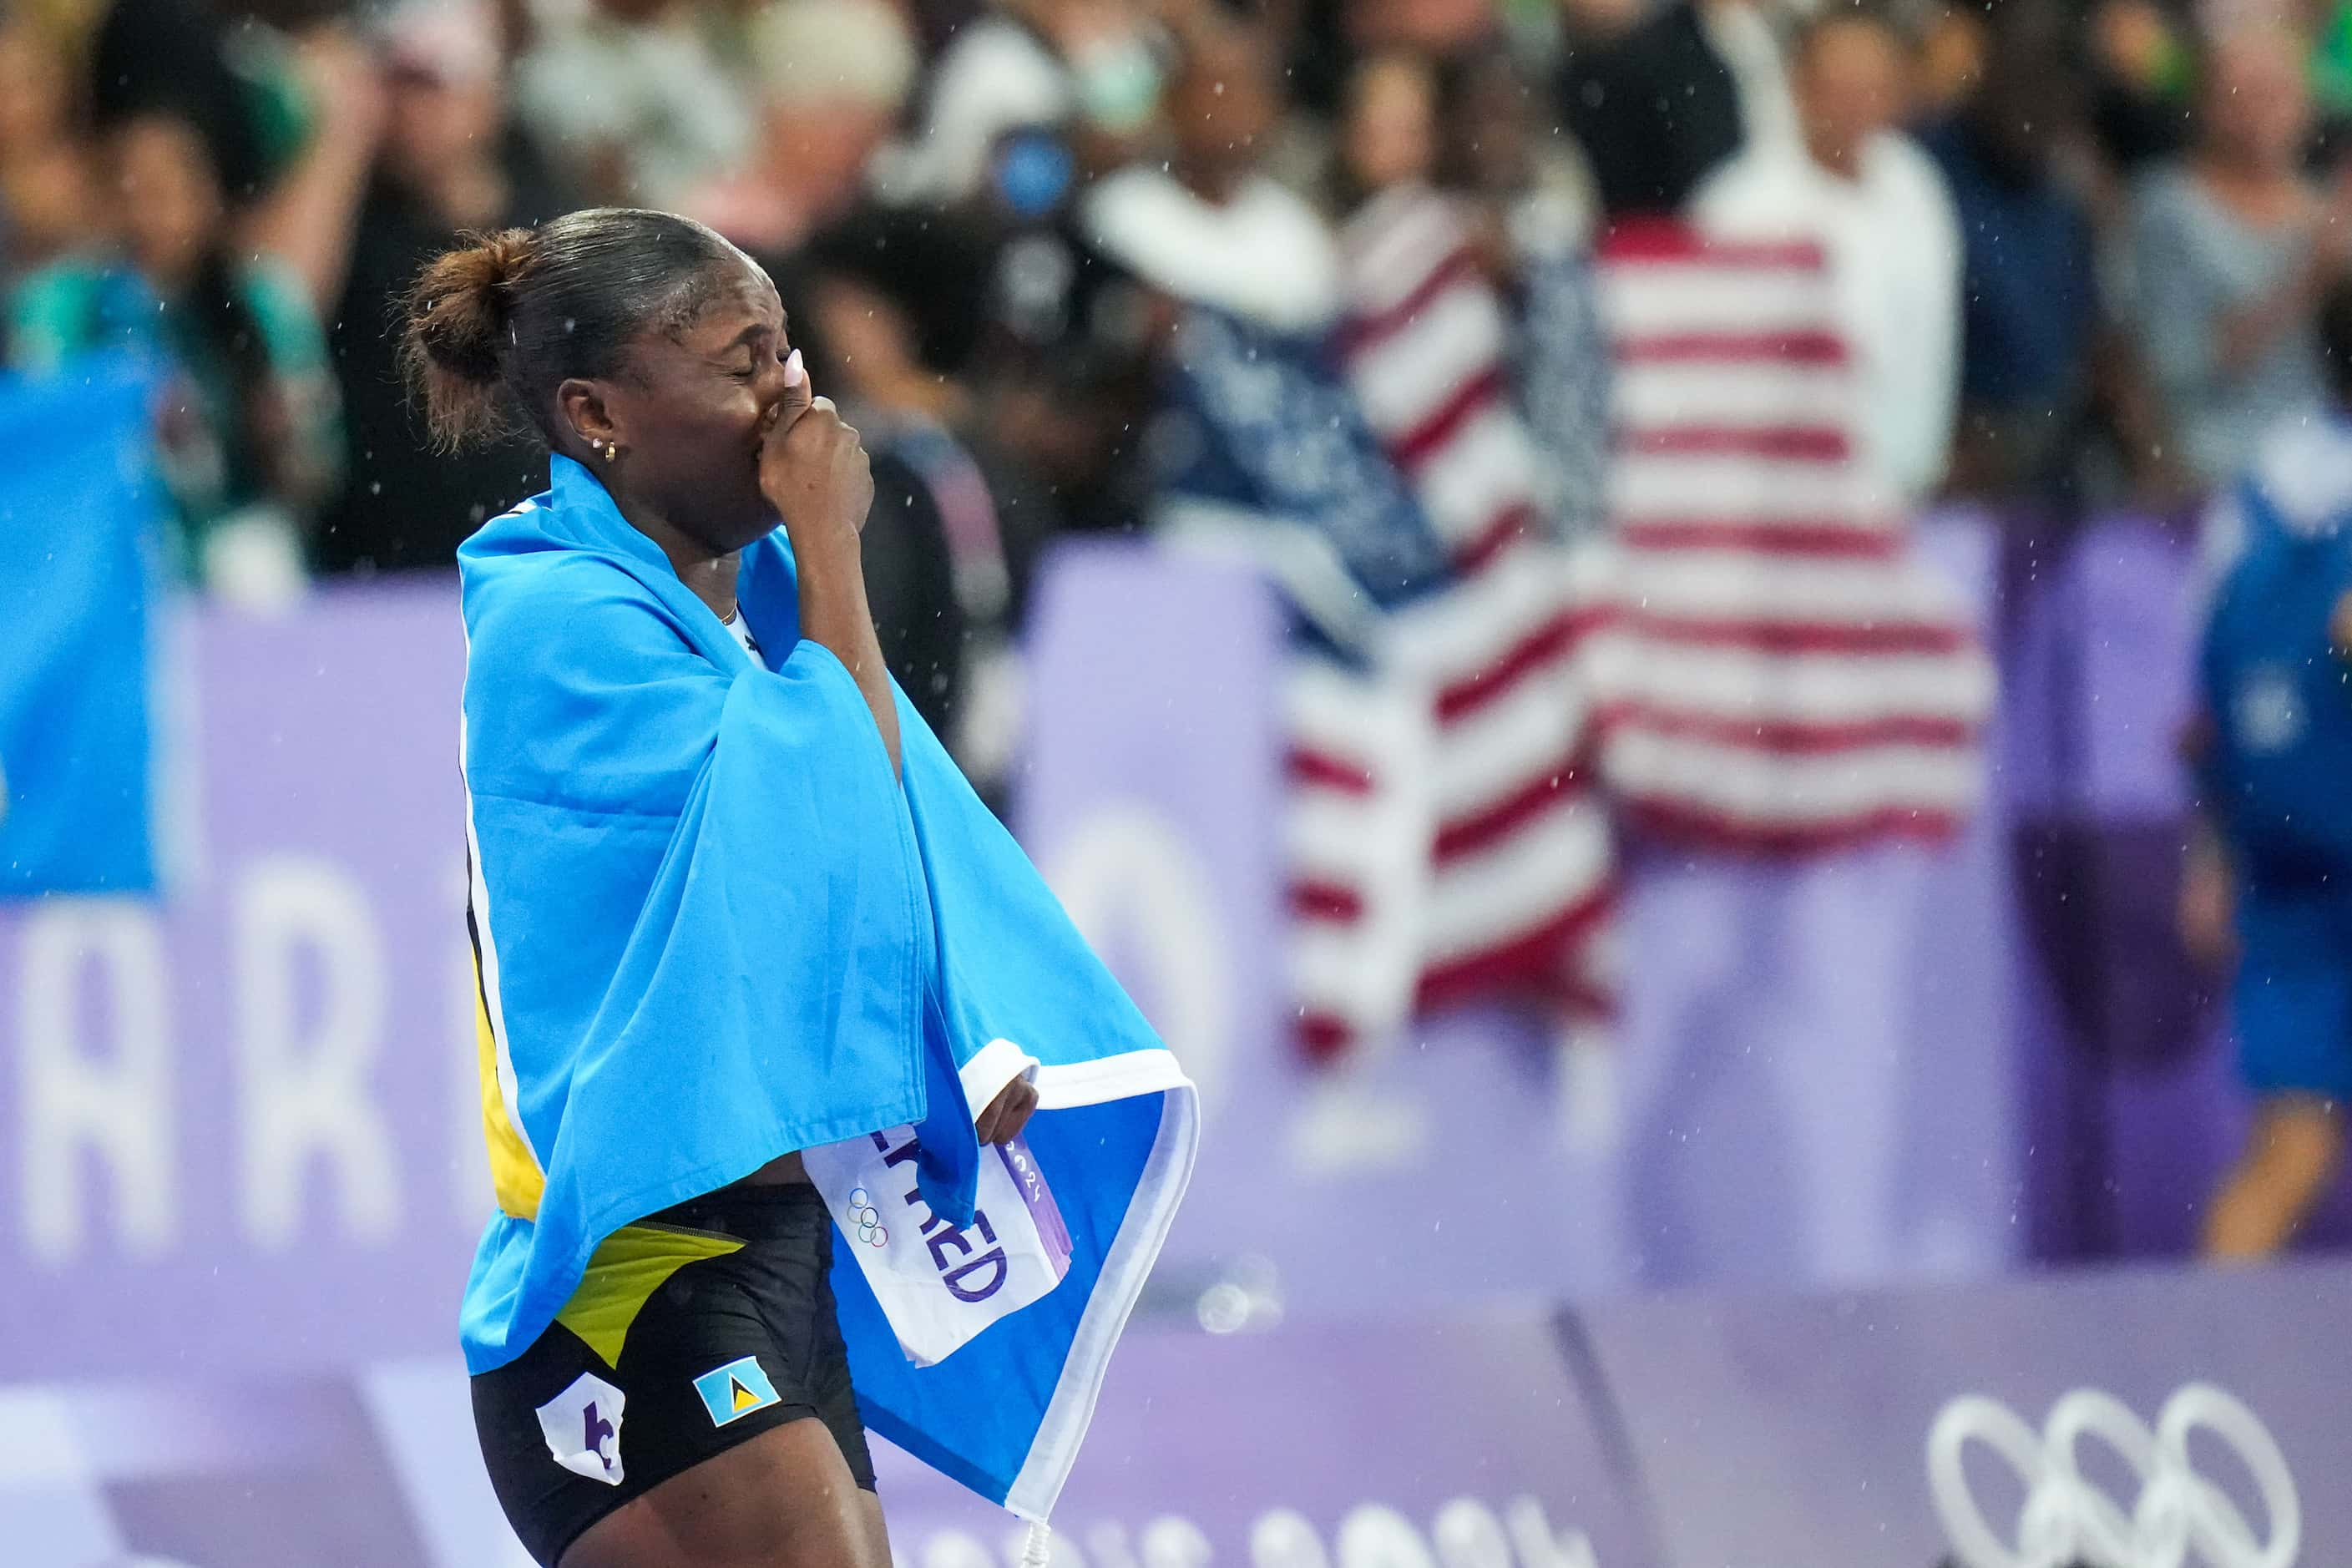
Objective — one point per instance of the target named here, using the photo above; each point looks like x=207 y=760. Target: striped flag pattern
x=1446 y=841
x=1778 y=672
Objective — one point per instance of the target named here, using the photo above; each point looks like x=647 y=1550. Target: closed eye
x=745 y=372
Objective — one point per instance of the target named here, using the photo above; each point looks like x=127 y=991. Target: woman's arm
x=833 y=613
x=299 y=417
x=307 y=221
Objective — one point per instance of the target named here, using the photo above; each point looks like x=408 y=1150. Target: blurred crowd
x=978 y=210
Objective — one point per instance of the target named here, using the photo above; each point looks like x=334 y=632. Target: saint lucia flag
x=735 y=1390
x=712 y=927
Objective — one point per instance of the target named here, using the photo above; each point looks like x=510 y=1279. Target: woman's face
x=1849 y=87
x=47 y=196
x=1223 y=107
x=691 y=408
x=869 y=342
x=34 y=93
x=432 y=123
x=1489 y=138
x=2257 y=106
x=1390 y=137
x=168 y=200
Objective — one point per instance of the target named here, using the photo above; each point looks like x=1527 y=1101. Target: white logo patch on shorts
x=583 y=1425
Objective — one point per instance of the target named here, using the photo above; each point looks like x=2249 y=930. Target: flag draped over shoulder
x=711 y=928
x=1780 y=672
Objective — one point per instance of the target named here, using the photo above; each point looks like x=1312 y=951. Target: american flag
x=1751 y=660
x=1464 y=746
x=1777 y=673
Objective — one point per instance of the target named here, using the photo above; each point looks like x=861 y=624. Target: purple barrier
x=1682 y=1433
x=1798 y=1431
x=1369 y=1445
x=241 y=1127
x=2131 y=1105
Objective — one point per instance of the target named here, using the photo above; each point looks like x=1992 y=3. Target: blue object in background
x=1033 y=172
x=2273 y=681
x=79 y=517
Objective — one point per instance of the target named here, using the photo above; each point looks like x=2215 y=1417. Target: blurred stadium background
x=1596 y=601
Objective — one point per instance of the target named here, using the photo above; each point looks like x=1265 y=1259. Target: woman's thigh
x=674 y=1400
x=784 y=1499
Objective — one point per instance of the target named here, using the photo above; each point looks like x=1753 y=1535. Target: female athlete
x=660 y=1377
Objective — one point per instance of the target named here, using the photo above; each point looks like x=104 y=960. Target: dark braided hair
x=492 y=329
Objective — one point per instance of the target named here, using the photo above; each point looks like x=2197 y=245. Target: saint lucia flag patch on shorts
x=736 y=1389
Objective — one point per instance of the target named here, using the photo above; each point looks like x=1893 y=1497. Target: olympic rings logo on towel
x=2180 y=1516
x=866 y=1219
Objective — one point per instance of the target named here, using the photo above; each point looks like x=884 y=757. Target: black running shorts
x=693 y=1330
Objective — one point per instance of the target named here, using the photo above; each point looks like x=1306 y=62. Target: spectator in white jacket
x=1879 y=208
x=631 y=102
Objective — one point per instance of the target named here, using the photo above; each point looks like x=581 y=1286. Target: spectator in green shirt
x=248 y=423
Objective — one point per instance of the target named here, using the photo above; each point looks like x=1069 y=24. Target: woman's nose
x=780 y=381
x=771 y=387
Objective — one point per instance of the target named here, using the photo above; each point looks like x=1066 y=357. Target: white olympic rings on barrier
x=2180 y=1516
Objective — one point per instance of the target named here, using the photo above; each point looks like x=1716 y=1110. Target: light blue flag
x=80 y=514
x=712 y=929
